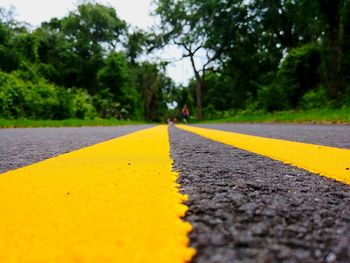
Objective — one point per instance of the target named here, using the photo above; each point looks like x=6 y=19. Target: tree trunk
x=333 y=13
x=199 y=88
x=335 y=75
x=199 y=91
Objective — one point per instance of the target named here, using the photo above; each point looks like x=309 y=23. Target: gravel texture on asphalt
x=331 y=135
x=249 y=208
x=21 y=147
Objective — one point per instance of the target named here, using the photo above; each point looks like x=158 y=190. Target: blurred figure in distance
x=185 y=114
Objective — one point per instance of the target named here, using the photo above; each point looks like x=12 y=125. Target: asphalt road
x=243 y=207
x=20 y=147
x=249 y=208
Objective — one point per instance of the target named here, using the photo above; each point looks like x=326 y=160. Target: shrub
x=83 y=104
x=40 y=100
x=315 y=99
x=12 y=96
x=105 y=105
x=272 y=98
x=65 y=108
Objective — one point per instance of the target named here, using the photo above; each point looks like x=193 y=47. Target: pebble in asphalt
x=249 y=208
x=20 y=147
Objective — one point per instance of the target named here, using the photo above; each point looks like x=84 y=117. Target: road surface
x=243 y=207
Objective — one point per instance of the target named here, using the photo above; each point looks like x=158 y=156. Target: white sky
x=134 y=12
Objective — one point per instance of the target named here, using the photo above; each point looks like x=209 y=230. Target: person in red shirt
x=185 y=114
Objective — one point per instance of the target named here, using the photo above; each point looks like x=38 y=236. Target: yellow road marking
x=116 y=201
x=327 y=161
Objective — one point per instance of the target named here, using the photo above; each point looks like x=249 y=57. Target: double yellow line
x=116 y=201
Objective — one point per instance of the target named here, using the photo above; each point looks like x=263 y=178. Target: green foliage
x=324 y=115
x=28 y=72
x=106 y=106
x=114 y=75
x=21 y=123
x=219 y=93
x=27 y=46
x=17 y=46
x=300 y=72
x=39 y=100
x=261 y=56
x=84 y=109
x=76 y=45
x=9 y=58
x=296 y=82
x=153 y=86
x=65 y=107
x=69 y=68
x=315 y=99
x=93 y=24
x=270 y=55
x=135 y=45
x=13 y=93
x=272 y=98
x=114 y=79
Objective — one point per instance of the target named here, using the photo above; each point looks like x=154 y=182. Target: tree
x=77 y=44
x=182 y=25
x=136 y=44
x=153 y=86
x=9 y=58
x=114 y=78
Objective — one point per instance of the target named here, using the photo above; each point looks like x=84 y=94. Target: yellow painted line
x=327 y=161
x=116 y=201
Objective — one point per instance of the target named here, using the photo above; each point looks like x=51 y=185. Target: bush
x=84 y=108
x=315 y=99
x=27 y=72
x=272 y=98
x=105 y=105
x=40 y=100
x=211 y=113
x=13 y=92
x=65 y=108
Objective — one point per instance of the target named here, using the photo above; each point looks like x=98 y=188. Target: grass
x=26 y=123
x=324 y=116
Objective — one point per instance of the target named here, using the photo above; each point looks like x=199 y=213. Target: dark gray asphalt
x=249 y=208
x=331 y=135
x=20 y=147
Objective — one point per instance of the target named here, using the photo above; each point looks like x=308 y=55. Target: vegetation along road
x=202 y=193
